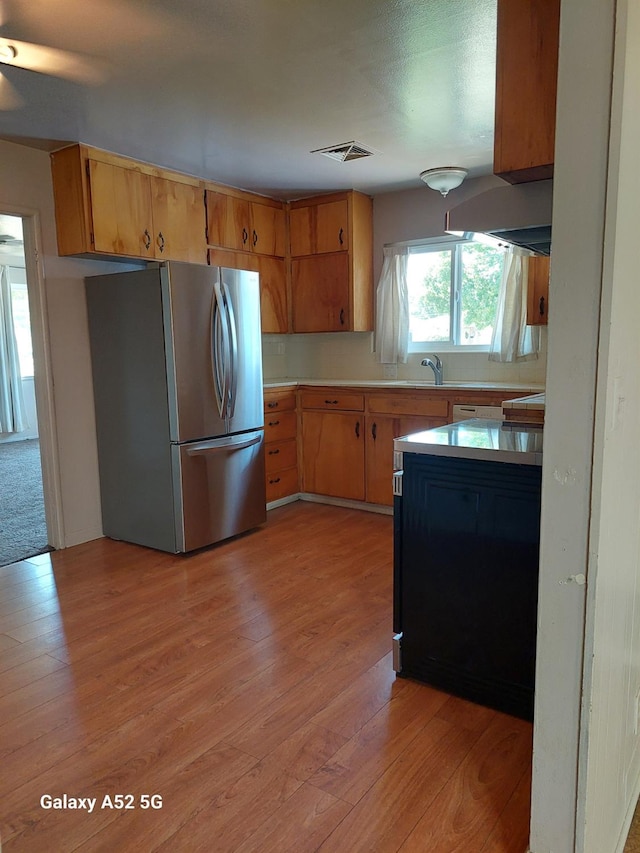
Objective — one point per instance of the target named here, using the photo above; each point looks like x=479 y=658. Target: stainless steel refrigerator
x=177 y=375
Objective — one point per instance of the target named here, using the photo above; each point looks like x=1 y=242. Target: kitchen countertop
x=477 y=439
x=535 y=402
x=405 y=383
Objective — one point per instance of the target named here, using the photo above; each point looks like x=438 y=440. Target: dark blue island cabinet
x=466 y=578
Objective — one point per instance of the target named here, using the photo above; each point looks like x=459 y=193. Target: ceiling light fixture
x=444 y=178
x=7 y=52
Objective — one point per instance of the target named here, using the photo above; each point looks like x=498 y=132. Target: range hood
x=518 y=214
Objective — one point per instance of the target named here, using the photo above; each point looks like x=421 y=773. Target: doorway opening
x=23 y=526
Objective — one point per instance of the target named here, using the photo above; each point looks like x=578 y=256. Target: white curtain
x=512 y=339
x=12 y=411
x=392 y=307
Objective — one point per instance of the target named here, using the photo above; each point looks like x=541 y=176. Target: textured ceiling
x=240 y=91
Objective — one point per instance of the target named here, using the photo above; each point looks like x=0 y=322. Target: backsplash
x=351 y=356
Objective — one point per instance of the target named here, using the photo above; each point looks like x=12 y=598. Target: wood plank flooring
x=250 y=687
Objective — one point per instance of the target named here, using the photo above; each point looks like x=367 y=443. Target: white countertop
x=405 y=383
x=534 y=401
x=477 y=439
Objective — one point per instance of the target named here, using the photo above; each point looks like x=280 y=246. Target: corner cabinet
x=331 y=243
x=333 y=441
x=109 y=206
x=245 y=231
x=526 y=81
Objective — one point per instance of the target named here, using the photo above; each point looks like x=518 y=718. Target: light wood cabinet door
x=380 y=433
x=319 y=228
x=228 y=221
x=245 y=226
x=178 y=221
x=333 y=454
x=538 y=291
x=320 y=293
x=122 y=222
x=526 y=81
x=268 y=230
x=274 y=310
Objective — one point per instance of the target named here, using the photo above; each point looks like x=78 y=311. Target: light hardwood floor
x=250 y=686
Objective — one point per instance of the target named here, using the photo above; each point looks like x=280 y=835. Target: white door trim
x=43 y=373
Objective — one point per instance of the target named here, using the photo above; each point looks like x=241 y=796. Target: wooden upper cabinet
x=120 y=211
x=108 y=205
x=274 y=305
x=236 y=222
x=538 y=291
x=332 y=263
x=319 y=227
x=526 y=80
x=178 y=215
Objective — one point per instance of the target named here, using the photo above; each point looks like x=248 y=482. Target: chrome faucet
x=436 y=365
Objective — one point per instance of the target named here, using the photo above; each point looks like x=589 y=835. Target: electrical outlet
x=390 y=371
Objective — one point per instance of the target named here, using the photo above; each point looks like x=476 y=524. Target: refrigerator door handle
x=232 y=374
x=220 y=351
x=223 y=444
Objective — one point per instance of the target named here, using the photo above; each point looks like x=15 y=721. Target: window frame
x=453 y=244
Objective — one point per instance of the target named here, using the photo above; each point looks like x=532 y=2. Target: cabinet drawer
x=332 y=398
x=280 y=425
x=279 y=401
x=391 y=404
x=281 y=484
x=280 y=454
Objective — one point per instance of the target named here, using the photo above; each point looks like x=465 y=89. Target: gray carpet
x=23 y=531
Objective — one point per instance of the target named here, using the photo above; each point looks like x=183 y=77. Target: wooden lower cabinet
x=381 y=430
x=333 y=454
x=281 y=446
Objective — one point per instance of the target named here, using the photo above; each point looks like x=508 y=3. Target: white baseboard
x=326 y=499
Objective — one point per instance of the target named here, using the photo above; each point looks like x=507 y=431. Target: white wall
x=609 y=778
x=25 y=182
x=582 y=134
x=398 y=216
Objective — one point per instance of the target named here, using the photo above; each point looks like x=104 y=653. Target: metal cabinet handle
x=342 y=316
x=245 y=236
x=340 y=235
x=541 y=306
x=357 y=429
x=274 y=481
x=273 y=405
x=147 y=239
x=331 y=402
x=255 y=237
x=274 y=452
x=374 y=431
x=273 y=423
x=161 y=241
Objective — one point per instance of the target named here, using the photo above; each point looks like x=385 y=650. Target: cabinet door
x=228 y=221
x=319 y=228
x=526 y=79
x=274 y=310
x=320 y=293
x=333 y=454
x=381 y=430
x=538 y=291
x=268 y=234
x=178 y=221
x=121 y=210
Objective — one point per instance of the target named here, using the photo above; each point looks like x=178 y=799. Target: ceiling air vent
x=345 y=151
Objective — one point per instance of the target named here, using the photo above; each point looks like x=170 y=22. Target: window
x=21 y=322
x=453 y=293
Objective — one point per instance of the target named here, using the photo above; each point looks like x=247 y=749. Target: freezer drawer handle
x=222 y=444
